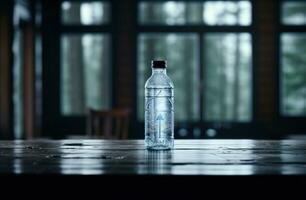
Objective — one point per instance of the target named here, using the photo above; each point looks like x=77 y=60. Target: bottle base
x=158 y=147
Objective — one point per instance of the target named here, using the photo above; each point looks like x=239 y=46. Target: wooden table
x=189 y=157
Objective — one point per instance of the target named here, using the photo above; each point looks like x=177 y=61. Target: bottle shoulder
x=159 y=81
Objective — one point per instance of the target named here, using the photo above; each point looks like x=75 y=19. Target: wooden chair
x=112 y=124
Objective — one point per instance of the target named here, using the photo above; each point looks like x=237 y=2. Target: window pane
x=294 y=13
x=227 y=75
x=85 y=13
x=210 y=12
x=227 y=13
x=85 y=73
x=180 y=51
x=293 y=74
x=18 y=83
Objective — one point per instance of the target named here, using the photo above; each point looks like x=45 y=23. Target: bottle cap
x=161 y=64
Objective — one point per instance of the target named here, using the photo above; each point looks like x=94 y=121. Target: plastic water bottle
x=159 y=109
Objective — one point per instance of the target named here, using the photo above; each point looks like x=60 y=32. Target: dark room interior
x=73 y=79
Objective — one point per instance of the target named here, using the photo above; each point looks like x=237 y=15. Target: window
x=84 y=73
x=206 y=12
x=227 y=76
x=293 y=13
x=85 y=57
x=77 y=64
x=172 y=46
x=18 y=86
x=20 y=68
x=292 y=58
x=85 y=13
x=208 y=47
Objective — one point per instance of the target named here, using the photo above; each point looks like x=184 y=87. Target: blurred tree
x=294 y=74
x=294 y=61
x=294 y=12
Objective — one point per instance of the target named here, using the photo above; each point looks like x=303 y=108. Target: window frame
x=227 y=129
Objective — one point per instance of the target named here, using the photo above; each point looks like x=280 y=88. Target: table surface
x=189 y=157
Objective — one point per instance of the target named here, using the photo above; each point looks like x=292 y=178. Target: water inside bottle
x=159 y=112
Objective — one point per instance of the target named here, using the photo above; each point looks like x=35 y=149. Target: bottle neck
x=158 y=70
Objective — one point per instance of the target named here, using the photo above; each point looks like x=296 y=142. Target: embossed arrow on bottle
x=159 y=118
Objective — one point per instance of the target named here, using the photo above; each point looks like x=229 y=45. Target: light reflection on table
x=189 y=157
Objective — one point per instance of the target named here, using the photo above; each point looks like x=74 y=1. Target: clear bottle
x=159 y=109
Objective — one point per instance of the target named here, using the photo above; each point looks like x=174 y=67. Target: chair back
x=113 y=124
